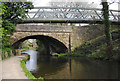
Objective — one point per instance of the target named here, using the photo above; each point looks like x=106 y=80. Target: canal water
x=53 y=67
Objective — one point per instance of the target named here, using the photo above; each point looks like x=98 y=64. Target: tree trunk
x=107 y=29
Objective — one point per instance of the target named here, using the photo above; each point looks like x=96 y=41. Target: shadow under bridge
x=51 y=44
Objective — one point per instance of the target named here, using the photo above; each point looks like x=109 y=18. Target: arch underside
x=49 y=42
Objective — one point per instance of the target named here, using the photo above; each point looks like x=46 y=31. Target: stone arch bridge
x=55 y=35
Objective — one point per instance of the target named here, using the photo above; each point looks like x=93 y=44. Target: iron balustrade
x=69 y=15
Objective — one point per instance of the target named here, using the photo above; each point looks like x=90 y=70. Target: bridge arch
x=50 y=32
x=49 y=41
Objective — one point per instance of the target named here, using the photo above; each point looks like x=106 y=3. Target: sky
x=46 y=2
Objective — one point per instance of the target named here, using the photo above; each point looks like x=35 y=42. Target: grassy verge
x=27 y=72
x=101 y=52
x=61 y=54
x=96 y=48
x=25 y=49
x=89 y=46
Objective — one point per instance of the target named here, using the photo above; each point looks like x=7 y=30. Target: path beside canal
x=11 y=68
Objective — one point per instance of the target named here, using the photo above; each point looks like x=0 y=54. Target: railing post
x=69 y=43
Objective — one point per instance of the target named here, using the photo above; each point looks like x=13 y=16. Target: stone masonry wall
x=78 y=34
x=85 y=33
x=62 y=37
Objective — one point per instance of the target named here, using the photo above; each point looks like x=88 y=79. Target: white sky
x=46 y=2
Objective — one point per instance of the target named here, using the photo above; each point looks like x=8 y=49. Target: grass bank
x=25 y=49
x=96 y=48
x=27 y=72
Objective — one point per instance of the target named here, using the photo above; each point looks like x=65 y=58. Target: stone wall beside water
x=85 y=33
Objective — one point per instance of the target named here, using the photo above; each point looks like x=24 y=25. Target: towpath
x=11 y=68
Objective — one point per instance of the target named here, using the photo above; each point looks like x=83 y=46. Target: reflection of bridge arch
x=47 y=41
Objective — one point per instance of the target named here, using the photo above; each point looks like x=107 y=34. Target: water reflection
x=85 y=68
x=48 y=65
x=51 y=67
x=31 y=64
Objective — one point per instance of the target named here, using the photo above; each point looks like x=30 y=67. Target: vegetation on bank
x=27 y=45
x=12 y=13
x=41 y=47
x=26 y=49
x=96 y=48
x=61 y=54
x=37 y=45
x=27 y=72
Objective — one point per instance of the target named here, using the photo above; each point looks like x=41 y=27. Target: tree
x=107 y=28
x=15 y=11
x=12 y=13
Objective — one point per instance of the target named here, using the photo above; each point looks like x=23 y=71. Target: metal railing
x=70 y=14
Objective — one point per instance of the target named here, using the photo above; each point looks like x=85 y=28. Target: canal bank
x=11 y=68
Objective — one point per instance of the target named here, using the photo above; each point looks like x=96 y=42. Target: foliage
x=12 y=13
x=41 y=46
x=30 y=45
x=61 y=54
x=15 y=11
x=99 y=53
x=73 y=26
x=26 y=45
x=25 y=49
x=116 y=49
